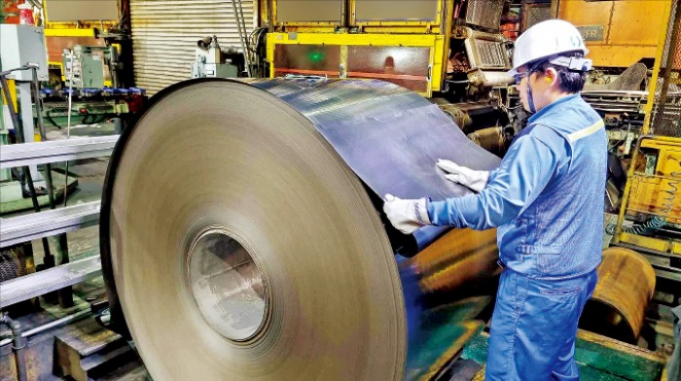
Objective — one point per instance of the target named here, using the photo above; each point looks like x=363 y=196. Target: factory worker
x=547 y=201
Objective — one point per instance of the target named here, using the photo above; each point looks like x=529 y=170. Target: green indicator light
x=316 y=56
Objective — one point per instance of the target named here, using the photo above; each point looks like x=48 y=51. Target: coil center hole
x=227 y=286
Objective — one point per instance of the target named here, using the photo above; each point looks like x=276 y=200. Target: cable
x=255 y=36
x=503 y=106
x=49 y=118
x=657 y=222
x=259 y=38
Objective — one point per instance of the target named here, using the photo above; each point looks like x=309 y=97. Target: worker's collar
x=551 y=106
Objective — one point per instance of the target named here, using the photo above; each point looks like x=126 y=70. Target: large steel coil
x=626 y=282
x=242 y=234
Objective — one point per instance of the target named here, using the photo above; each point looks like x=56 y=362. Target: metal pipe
x=65 y=295
x=674 y=35
x=10 y=71
x=54 y=324
x=68 y=127
x=43 y=134
x=490 y=138
x=241 y=38
x=246 y=38
x=38 y=106
x=57 y=323
x=19 y=344
x=243 y=25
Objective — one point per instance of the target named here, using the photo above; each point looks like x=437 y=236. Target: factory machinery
x=457 y=53
x=451 y=51
x=86 y=74
x=271 y=259
x=90 y=83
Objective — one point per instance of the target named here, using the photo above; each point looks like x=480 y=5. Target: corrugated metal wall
x=165 y=32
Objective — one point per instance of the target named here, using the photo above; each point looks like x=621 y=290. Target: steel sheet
x=241 y=222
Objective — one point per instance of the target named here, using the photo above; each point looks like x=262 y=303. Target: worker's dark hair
x=570 y=81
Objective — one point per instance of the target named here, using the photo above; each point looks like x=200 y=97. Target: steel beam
x=53 y=279
x=51 y=222
x=18 y=155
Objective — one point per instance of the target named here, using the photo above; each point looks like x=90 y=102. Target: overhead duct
x=242 y=235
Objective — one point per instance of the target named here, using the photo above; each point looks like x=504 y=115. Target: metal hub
x=227 y=286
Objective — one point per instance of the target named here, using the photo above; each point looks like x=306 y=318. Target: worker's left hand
x=475 y=180
x=406 y=215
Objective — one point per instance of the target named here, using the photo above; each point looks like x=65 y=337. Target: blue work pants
x=534 y=327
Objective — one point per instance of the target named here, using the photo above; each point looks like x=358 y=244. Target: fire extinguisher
x=25 y=14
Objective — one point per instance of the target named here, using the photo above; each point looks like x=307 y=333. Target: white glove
x=406 y=215
x=475 y=180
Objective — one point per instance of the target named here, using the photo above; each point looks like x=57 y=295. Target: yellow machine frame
x=67 y=30
x=432 y=41
x=11 y=86
x=310 y=26
x=668 y=148
x=435 y=26
x=426 y=26
x=72 y=28
x=432 y=34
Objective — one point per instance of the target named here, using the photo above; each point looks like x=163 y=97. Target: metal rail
x=48 y=223
x=53 y=324
x=56 y=278
x=18 y=155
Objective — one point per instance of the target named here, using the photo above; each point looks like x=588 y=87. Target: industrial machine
x=312 y=45
x=209 y=61
x=409 y=45
x=92 y=40
x=331 y=281
x=614 y=31
x=452 y=51
x=84 y=66
x=456 y=52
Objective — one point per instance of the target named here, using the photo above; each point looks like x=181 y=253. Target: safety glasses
x=517 y=78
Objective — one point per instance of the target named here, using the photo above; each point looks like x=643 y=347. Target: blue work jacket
x=547 y=196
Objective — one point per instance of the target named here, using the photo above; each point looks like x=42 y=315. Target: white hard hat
x=547 y=39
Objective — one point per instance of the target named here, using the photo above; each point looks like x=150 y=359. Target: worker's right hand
x=475 y=180
x=406 y=216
